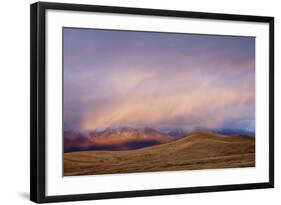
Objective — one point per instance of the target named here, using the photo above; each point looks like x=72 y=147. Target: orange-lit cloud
x=189 y=82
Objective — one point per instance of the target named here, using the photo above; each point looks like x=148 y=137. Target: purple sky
x=159 y=80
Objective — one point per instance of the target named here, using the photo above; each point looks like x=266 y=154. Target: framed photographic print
x=129 y=102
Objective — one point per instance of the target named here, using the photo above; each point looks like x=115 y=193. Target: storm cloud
x=159 y=80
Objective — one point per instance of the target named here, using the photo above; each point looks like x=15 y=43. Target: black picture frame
x=38 y=101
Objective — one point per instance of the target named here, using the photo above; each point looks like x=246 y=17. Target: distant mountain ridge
x=121 y=130
x=127 y=138
x=235 y=132
x=123 y=138
x=178 y=133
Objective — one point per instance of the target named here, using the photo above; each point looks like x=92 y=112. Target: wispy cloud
x=166 y=81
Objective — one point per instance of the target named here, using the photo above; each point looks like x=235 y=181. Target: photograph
x=147 y=101
x=134 y=102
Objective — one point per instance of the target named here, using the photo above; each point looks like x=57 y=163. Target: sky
x=165 y=81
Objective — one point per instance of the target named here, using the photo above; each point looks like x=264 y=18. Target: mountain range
x=125 y=138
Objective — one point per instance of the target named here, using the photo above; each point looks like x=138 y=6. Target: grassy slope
x=202 y=150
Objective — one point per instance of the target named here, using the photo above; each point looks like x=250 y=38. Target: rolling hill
x=201 y=150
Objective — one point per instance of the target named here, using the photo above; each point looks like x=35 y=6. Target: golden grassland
x=202 y=150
